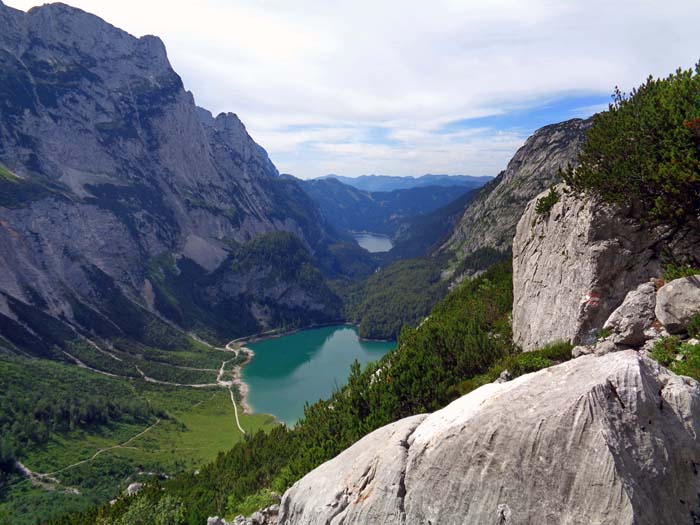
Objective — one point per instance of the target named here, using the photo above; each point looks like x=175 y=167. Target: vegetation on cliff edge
x=645 y=150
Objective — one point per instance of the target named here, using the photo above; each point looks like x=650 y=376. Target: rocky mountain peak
x=490 y=220
x=120 y=165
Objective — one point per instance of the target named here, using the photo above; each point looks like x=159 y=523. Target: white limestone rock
x=364 y=484
x=677 y=301
x=573 y=267
x=607 y=440
x=635 y=315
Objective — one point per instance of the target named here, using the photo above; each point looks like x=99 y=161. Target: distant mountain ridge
x=348 y=208
x=487 y=227
x=393 y=182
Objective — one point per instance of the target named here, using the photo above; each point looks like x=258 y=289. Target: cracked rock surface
x=573 y=266
x=600 y=439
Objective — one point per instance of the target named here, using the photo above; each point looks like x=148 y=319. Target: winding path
x=48 y=482
x=121 y=445
x=235 y=411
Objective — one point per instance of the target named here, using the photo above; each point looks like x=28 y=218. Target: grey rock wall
x=573 y=267
x=129 y=168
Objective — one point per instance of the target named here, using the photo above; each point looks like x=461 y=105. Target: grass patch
x=678 y=271
x=16 y=192
x=250 y=504
x=681 y=358
x=195 y=426
x=694 y=326
x=518 y=364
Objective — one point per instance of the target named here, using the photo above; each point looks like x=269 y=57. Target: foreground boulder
x=677 y=302
x=607 y=440
x=634 y=316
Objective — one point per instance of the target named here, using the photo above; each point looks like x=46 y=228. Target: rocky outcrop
x=364 y=484
x=609 y=440
x=489 y=222
x=573 y=266
x=634 y=316
x=111 y=166
x=678 y=301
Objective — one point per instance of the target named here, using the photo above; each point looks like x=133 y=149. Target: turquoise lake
x=304 y=366
x=373 y=242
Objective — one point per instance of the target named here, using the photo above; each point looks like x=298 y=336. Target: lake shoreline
x=246 y=382
x=272 y=334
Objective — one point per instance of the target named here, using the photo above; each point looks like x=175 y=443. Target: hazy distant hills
x=348 y=208
x=390 y=183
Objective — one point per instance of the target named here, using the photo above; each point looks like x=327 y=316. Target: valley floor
x=74 y=470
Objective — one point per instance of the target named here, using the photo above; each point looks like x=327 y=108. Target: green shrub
x=519 y=364
x=250 y=504
x=676 y=271
x=604 y=333
x=666 y=349
x=544 y=204
x=528 y=362
x=681 y=358
x=645 y=150
x=694 y=326
x=690 y=364
x=166 y=510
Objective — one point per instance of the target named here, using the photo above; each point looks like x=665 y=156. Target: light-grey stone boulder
x=636 y=313
x=606 y=440
x=677 y=301
x=364 y=484
x=133 y=489
x=216 y=520
x=257 y=518
x=580 y=350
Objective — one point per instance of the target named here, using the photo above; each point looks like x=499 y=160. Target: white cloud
x=366 y=86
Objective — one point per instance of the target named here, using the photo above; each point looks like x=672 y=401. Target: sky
x=407 y=87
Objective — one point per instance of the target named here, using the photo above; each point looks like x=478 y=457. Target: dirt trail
x=121 y=445
x=235 y=411
x=47 y=480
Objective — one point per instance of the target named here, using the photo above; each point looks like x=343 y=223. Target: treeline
x=465 y=336
x=400 y=294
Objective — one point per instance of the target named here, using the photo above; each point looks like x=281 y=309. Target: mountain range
x=390 y=183
x=347 y=208
x=144 y=241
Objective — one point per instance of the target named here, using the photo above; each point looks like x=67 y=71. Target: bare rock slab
x=573 y=267
x=600 y=439
x=364 y=484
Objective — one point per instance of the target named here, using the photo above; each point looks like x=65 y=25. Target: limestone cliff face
x=489 y=221
x=609 y=440
x=111 y=164
x=573 y=266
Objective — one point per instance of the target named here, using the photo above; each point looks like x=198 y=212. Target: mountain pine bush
x=645 y=150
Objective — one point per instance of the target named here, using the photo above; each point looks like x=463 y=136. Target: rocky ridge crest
x=111 y=166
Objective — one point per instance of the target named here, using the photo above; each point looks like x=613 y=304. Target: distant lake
x=305 y=366
x=373 y=242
